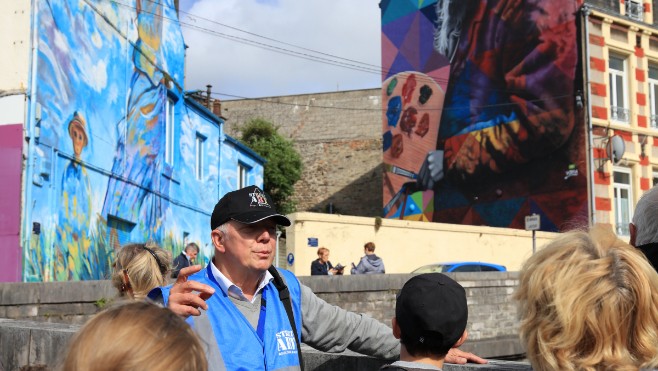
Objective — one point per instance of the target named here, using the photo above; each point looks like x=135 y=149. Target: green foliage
x=101 y=303
x=284 y=164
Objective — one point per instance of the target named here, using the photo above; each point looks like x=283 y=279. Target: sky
x=345 y=31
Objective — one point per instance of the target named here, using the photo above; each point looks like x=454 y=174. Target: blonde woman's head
x=139 y=268
x=588 y=301
x=136 y=335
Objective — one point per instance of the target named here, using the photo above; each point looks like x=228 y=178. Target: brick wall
x=339 y=138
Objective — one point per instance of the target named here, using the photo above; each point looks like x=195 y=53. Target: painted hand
x=431 y=171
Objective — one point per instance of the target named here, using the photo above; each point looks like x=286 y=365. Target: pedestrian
x=185 y=259
x=430 y=319
x=139 y=268
x=587 y=301
x=370 y=263
x=322 y=266
x=243 y=303
x=644 y=228
x=135 y=335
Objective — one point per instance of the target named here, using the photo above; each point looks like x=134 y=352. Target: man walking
x=185 y=259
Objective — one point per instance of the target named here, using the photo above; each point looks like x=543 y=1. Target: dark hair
x=192 y=245
x=369 y=246
x=430 y=347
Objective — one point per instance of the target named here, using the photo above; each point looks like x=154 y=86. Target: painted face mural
x=480 y=124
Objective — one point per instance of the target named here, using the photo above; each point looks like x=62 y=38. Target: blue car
x=460 y=267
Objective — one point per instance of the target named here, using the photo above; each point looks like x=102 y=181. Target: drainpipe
x=31 y=142
x=276 y=251
x=590 y=129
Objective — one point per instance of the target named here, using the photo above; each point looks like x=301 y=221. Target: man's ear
x=461 y=340
x=632 y=229
x=217 y=238
x=396 y=328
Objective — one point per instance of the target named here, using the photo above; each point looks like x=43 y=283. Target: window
x=635 y=10
x=169 y=132
x=653 y=94
x=623 y=200
x=199 y=151
x=618 y=96
x=243 y=171
x=655 y=179
x=118 y=231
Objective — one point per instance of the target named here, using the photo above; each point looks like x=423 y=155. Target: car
x=461 y=267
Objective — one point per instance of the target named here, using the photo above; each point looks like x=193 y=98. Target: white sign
x=532 y=222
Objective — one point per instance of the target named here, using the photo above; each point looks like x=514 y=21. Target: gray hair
x=224 y=229
x=645 y=218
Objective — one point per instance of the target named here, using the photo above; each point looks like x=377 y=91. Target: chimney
x=209 y=87
x=217 y=107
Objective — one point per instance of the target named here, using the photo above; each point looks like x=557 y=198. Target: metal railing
x=620 y=114
x=635 y=10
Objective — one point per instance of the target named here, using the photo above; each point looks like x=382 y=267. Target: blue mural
x=123 y=154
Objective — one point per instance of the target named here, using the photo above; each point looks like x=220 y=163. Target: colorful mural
x=108 y=79
x=480 y=122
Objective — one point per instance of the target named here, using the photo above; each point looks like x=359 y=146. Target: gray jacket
x=369 y=264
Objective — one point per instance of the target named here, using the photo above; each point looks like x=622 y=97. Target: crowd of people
x=586 y=301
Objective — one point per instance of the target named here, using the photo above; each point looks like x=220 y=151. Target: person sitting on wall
x=430 y=319
x=140 y=268
x=370 y=263
x=322 y=266
x=587 y=301
x=136 y=335
x=185 y=259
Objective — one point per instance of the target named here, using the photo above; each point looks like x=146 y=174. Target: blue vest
x=240 y=346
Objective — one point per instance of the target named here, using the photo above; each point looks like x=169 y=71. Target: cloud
x=344 y=28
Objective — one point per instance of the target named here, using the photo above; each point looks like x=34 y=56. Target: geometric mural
x=480 y=122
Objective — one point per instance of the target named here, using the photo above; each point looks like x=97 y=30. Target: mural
x=106 y=73
x=480 y=122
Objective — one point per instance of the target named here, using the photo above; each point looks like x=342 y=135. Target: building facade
x=621 y=47
x=103 y=144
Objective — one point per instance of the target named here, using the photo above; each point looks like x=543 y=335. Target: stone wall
x=339 y=138
x=492 y=316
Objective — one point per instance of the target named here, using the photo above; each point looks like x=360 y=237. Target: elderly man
x=247 y=315
x=644 y=228
x=185 y=259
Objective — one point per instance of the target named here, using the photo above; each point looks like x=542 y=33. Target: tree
x=284 y=165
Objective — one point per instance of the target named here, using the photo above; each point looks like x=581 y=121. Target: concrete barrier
x=25 y=343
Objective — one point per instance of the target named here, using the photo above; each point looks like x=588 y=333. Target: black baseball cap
x=431 y=309
x=247 y=205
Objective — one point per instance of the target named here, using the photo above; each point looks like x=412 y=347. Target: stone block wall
x=492 y=324
x=339 y=138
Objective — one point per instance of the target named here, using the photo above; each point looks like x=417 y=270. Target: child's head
x=430 y=315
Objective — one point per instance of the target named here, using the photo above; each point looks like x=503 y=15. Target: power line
x=511 y=104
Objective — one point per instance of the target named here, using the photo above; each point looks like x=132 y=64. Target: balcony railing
x=635 y=10
x=620 y=114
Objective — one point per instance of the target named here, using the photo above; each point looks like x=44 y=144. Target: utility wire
x=420 y=109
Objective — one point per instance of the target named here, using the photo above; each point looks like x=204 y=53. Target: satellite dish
x=615 y=149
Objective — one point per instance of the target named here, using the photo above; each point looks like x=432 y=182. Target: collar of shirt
x=232 y=289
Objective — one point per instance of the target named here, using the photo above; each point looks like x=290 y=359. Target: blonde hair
x=588 y=301
x=139 y=268
x=136 y=335
x=322 y=250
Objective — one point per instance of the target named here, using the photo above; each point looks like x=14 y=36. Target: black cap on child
x=431 y=309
